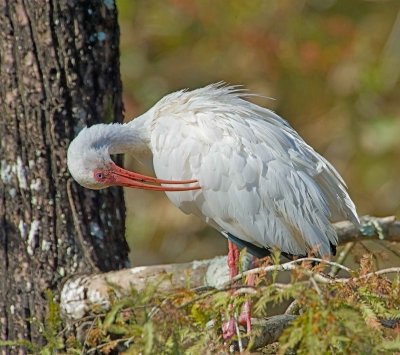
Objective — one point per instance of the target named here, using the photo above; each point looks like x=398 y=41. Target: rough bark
x=59 y=71
x=271 y=329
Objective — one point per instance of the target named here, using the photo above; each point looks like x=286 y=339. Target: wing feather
x=260 y=181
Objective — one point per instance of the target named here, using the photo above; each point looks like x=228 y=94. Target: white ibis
x=238 y=166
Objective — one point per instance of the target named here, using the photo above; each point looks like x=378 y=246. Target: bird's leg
x=229 y=327
x=233 y=259
x=245 y=315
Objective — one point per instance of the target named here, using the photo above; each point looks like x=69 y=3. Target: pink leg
x=229 y=327
x=233 y=259
x=245 y=315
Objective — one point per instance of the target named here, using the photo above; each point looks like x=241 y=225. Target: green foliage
x=334 y=317
x=50 y=330
x=345 y=318
x=51 y=327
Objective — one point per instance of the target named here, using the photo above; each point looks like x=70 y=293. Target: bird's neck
x=130 y=138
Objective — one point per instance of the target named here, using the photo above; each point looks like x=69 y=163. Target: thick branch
x=80 y=293
x=385 y=228
x=271 y=329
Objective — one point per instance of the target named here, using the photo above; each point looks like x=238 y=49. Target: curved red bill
x=128 y=178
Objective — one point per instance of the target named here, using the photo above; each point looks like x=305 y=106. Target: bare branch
x=80 y=293
x=348 y=232
x=270 y=329
x=341 y=258
x=291 y=265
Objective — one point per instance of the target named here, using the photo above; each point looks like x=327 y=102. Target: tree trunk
x=59 y=71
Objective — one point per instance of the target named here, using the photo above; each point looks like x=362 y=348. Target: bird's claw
x=245 y=316
x=229 y=329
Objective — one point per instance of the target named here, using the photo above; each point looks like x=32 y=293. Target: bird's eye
x=98 y=175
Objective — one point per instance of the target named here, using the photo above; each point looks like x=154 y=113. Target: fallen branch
x=271 y=329
x=385 y=228
x=80 y=294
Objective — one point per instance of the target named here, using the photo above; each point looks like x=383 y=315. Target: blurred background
x=332 y=68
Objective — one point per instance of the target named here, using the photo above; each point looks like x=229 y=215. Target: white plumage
x=259 y=180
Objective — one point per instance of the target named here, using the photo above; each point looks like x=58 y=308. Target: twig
x=214 y=291
x=240 y=343
x=341 y=258
x=293 y=308
x=317 y=276
x=390 y=270
x=315 y=285
x=291 y=265
x=322 y=279
x=88 y=331
x=248 y=290
x=116 y=341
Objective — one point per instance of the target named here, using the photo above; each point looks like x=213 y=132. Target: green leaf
x=118 y=329
x=148 y=335
x=111 y=315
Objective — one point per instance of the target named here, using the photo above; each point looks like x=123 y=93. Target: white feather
x=260 y=181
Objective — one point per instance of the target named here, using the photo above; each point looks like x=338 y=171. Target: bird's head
x=89 y=161
x=90 y=164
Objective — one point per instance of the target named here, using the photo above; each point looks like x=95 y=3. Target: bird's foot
x=229 y=328
x=245 y=316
